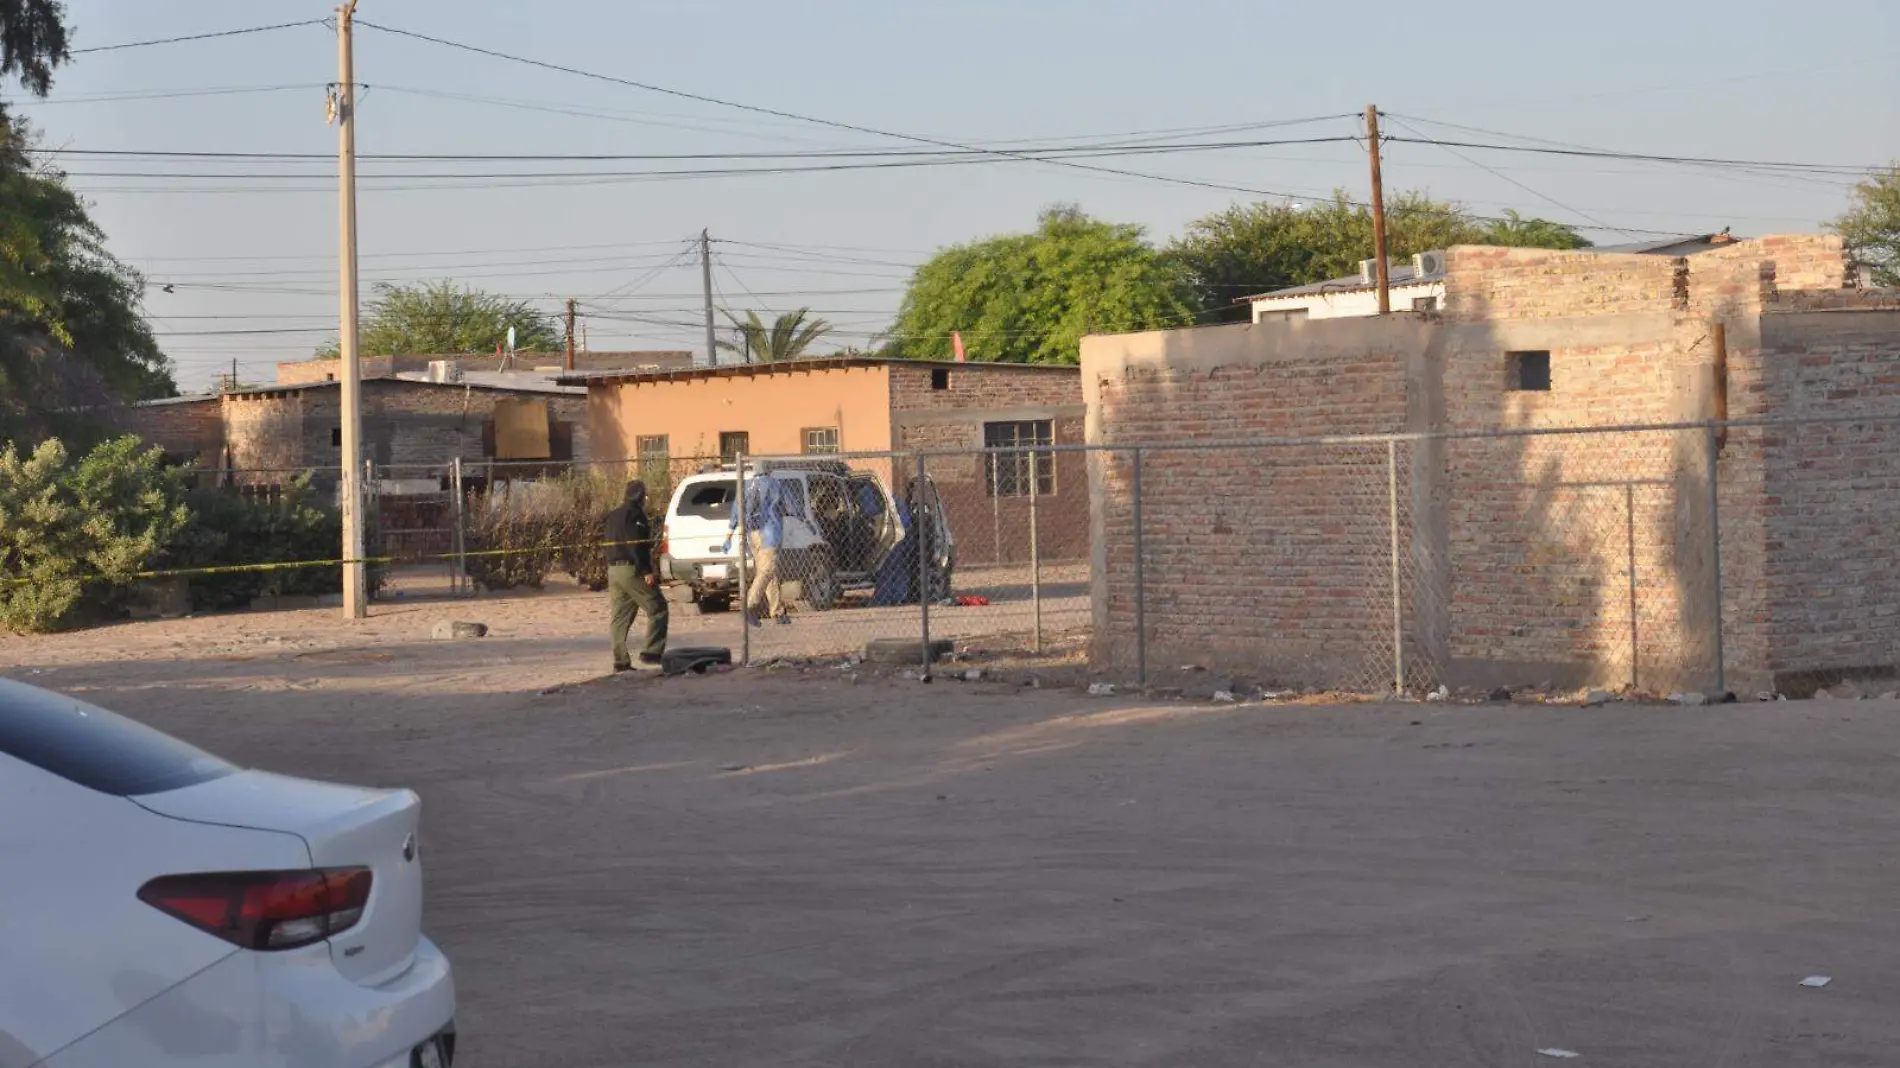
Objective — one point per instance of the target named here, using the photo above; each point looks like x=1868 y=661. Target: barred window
x=656 y=464
x=821 y=439
x=1007 y=474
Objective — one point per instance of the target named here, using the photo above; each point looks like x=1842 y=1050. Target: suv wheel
x=709 y=603
x=821 y=584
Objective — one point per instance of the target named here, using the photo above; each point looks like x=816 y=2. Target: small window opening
x=336 y=437
x=940 y=378
x=1527 y=372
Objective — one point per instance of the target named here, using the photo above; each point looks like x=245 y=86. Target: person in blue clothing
x=765 y=531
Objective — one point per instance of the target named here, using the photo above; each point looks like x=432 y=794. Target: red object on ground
x=972 y=601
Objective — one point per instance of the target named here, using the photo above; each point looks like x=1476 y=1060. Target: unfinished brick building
x=409 y=427
x=1574 y=558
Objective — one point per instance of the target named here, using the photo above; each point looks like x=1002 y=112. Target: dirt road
x=784 y=869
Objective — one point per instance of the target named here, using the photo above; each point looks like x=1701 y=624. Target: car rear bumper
x=694 y=573
x=276 y=1010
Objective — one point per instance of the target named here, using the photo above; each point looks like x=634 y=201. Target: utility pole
x=570 y=334
x=705 y=278
x=355 y=588
x=1378 y=211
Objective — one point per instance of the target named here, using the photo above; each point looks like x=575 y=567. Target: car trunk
x=343 y=827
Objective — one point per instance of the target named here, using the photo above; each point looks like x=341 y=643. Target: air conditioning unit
x=1429 y=263
x=1368 y=272
x=445 y=371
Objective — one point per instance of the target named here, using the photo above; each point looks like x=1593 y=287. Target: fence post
x=745 y=543
x=458 y=539
x=369 y=506
x=1141 y=605
x=1035 y=558
x=994 y=460
x=918 y=510
x=1398 y=588
x=1712 y=447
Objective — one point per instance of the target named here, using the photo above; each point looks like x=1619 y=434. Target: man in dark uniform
x=633 y=579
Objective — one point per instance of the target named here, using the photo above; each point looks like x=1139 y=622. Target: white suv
x=842 y=528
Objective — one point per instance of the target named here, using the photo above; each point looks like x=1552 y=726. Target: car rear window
x=708 y=500
x=97 y=749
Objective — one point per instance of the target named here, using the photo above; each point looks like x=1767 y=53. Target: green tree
x=1029 y=298
x=32 y=41
x=1253 y=248
x=71 y=332
x=786 y=339
x=442 y=317
x=73 y=535
x=1871 y=225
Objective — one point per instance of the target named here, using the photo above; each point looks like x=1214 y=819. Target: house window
x=336 y=437
x=940 y=378
x=821 y=439
x=734 y=444
x=1527 y=372
x=1425 y=304
x=656 y=464
x=1008 y=473
x=1284 y=316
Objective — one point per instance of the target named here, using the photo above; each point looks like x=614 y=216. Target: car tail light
x=666 y=537
x=264 y=910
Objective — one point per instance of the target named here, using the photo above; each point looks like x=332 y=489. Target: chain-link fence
x=1633 y=558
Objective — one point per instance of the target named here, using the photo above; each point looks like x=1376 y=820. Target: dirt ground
x=781 y=868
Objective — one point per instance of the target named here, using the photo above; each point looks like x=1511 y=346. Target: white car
x=160 y=907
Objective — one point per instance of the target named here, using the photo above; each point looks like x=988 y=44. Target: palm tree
x=786 y=339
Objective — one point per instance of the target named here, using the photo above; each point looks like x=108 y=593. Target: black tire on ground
x=711 y=603
x=904 y=650
x=693 y=658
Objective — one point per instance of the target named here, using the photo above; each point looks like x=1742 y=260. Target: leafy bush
x=534 y=528
x=74 y=535
x=229 y=528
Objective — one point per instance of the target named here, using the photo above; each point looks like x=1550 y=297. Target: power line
x=197 y=37
x=1814 y=168
x=872 y=131
x=829 y=153
x=1501 y=176
x=112 y=98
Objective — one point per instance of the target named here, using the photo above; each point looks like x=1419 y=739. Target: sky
x=1736 y=79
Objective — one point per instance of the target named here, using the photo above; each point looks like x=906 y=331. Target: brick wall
x=1495 y=284
x=185 y=429
x=1268 y=559
x=266 y=430
x=1830 y=495
x=406 y=425
x=993 y=529
x=1576 y=558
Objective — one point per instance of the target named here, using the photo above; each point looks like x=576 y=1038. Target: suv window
x=97 y=749
x=708 y=500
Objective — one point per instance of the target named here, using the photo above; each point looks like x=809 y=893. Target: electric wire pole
x=569 y=362
x=1378 y=212
x=355 y=586
x=705 y=278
